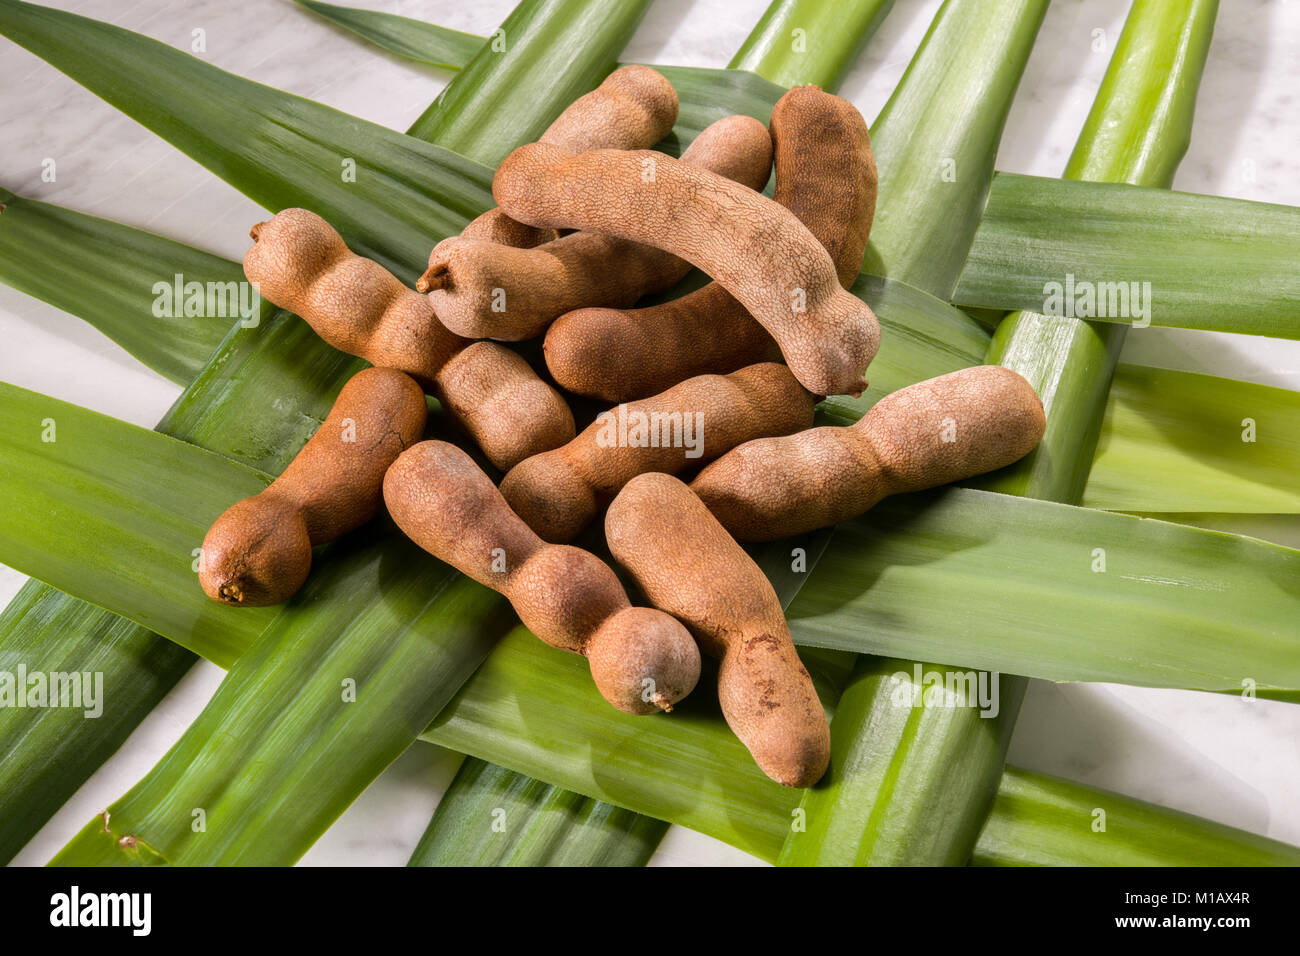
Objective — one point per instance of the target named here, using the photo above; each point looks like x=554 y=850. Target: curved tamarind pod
x=938 y=431
x=356 y=305
x=755 y=248
x=634 y=108
x=825 y=175
x=259 y=551
x=641 y=659
x=559 y=492
x=485 y=290
x=687 y=564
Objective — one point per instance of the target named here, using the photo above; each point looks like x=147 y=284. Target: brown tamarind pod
x=559 y=492
x=618 y=355
x=356 y=305
x=486 y=290
x=634 y=108
x=496 y=226
x=509 y=412
x=641 y=659
x=259 y=551
x=826 y=172
x=687 y=564
x=825 y=175
x=938 y=431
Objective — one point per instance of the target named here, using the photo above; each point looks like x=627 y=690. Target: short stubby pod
x=938 y=431
x=560 y=492
x=633 y=108
x=641 y=659
x=259 y=551
x=687 y=564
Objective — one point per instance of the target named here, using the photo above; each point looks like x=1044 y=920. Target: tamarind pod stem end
x=434 y=277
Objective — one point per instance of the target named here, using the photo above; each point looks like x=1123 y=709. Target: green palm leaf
x=47 y=251
x=490 y=816
x=1043 y=821
x=405 y=36
x=48 y=752
x=803 y=41
x=1182 y=250
x=937 y=770
x=942 y=125
x=388 y=194
x=948 y=769
x=1181 y=442
x=576 y=40
x=328 y=681
x=68 y=507
x=531 y=710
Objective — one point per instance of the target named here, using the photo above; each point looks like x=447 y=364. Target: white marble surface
x=1215 y=756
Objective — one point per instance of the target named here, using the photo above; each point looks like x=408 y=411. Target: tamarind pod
x=826 y=172
x=258 y=551
x=756 y=249
x=687 y=564
x=641 y=659
x=299 y=262
x=496 y=226
x=938 y=431
x=498 y=399
x=825 y=175
x=618 y=355
x=634 y=108
x=559 y=492
x=486 y=290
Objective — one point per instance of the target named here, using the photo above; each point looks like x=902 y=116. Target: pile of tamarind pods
x=590 y=219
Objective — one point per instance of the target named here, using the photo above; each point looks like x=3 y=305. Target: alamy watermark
x=225 y=300
x=948 y=689
x=133 y=911
x=1084 y=299
x=78 y=690
x=625 y=427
